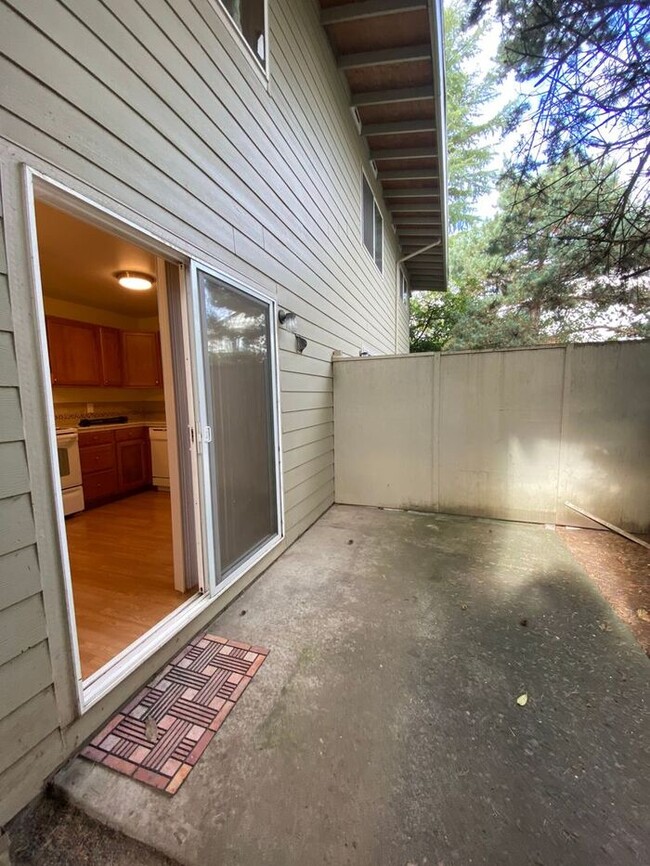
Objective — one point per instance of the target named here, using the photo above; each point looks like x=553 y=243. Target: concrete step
x=53 y=832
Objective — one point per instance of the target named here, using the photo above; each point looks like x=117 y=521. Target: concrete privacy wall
x=510 y=434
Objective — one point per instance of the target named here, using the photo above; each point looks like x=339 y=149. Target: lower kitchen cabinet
x=114 y=463
x=133 y=465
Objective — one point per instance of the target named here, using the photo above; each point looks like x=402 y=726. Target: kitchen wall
x=71 y=404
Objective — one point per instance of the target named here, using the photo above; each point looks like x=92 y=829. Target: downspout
x=398 y=263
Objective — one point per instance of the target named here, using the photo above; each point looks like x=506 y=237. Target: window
x=373 y=226
x=249 y=17
x=403 y=286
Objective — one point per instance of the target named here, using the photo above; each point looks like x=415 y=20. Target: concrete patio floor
x=383 y=728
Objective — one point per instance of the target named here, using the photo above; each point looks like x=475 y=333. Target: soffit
x=390 y=52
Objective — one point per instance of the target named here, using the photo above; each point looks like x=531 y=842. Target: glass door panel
x=240 y=404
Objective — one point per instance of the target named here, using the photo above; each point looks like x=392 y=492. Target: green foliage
x=546 y=248
x=468 y=93
x=535 y=273
x=564 y=256
x=433 y=318
x=587 y=65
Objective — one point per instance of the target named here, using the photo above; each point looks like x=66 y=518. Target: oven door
x=67 y=446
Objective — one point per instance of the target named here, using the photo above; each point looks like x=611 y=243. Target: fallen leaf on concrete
x=522 y=700
x=643 y=614
x=463 y=606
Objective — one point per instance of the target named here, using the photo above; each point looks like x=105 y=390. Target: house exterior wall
x=510 y=435
x=154 y=111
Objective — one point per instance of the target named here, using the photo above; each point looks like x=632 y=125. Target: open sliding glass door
x=240 y=439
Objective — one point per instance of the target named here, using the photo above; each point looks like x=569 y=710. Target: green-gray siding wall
x=151 y=109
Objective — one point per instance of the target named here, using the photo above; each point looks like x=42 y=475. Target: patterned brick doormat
x=160 y=735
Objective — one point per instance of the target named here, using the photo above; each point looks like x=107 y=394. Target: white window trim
x=402 y=275
x=261 y=70
x=383 y=224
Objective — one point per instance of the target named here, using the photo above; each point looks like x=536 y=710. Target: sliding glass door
x=241 y=407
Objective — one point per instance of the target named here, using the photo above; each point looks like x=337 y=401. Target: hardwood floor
x=122 y=573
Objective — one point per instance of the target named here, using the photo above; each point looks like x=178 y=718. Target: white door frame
x=217 y=585
x=100 y=683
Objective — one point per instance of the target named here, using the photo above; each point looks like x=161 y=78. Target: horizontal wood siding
x=26 y=717
x=154 y=110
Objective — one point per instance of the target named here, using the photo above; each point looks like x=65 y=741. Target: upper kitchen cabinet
x=141 y=359
x=75 y=355
x=111 y=355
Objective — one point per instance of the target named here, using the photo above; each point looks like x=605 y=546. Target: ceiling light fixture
x=135 y=280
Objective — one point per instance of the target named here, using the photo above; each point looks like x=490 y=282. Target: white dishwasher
x=159 y=457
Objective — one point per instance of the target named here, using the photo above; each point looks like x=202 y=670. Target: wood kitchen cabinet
x=74 y=351
x=85 y=354
x=141 y=359
x=133 y=458
x=110 y=344
x=114 y=463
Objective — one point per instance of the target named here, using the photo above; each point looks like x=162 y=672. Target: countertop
x=96 y=427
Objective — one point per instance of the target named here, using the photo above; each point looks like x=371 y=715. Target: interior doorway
x=119 y=391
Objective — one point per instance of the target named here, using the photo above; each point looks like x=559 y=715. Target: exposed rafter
x=409 y=174
x=423 y=208
x=368 y=9
x=385 y=56
x=399 y=94
x=411 y=192
x=410 y=235
x=400 y=153
x=404 y=223
x=399 y=127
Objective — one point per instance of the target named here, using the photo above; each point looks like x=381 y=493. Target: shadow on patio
x=384 y=728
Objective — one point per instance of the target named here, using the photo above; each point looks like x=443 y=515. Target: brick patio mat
x=161 y=733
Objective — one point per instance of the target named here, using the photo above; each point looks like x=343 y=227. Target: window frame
x=376 y=212
x=403 y=288
x=261 y=68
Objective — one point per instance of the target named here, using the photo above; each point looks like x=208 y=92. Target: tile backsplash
x=69 y=414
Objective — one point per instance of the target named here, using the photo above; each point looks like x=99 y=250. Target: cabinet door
x=141 y=359
x=111 y=355
x=133 y=465
x=74 y=352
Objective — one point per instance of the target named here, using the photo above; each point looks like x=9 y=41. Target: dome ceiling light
x=137 y=281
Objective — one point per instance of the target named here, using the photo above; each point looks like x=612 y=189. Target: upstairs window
x=403 y=286
x=249 y=17
x=373 y=226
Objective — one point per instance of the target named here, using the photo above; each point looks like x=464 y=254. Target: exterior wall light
x=288 y=320
x=135 y=280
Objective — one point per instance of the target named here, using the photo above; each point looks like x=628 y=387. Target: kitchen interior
x=101 y=295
